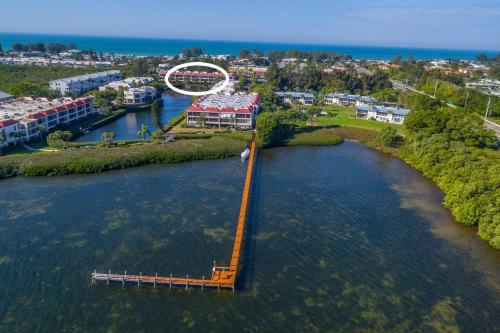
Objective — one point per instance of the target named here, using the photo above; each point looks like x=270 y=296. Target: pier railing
x=221 y=276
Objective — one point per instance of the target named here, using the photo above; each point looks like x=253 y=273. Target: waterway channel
x=126 y=127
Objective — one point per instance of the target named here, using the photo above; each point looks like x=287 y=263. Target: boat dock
x=221 y=276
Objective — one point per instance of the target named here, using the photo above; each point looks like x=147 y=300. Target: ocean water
x=156 y=46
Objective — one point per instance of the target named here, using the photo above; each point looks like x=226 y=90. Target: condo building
x=82 y=83
x=20 y=118
x=300 y=97
x=196 y=77
x=237 y=110
x=139 y=96
x=382 y=113
x=348 y=100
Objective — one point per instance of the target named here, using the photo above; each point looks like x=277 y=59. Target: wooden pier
x=221 y=276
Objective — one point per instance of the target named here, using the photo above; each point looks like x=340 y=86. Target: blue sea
x=157 y=46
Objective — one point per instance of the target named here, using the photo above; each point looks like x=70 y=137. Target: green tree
x=187 y=53
x=139 y=67
x=269 y=129
x=390 y=137
x=143 y=132
x=273 y=75
x=17 y=137
x=202 y=119
x=27 y=89
x=313 y=112
x=245 y=53
x=157 y=136
x=196 y=52
x=107 y=137
x=17 y=47
x=42 y=130
x=156 y=114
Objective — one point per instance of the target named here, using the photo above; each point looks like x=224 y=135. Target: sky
x=460 y=24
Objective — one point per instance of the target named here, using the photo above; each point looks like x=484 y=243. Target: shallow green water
x=339 y=239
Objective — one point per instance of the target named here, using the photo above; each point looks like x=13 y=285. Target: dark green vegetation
x=451 y=147
x=27 y=80
x=314 y=137
x=313 y=78
x=101 y=159
x=52 y=48
x=449 y=87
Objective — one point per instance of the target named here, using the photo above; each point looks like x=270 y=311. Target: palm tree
x=66 y=136
x=3 y=136
x=107 y=137
x=41 y=130
x=16 y=135
x=233 y=121
x=202 y=119
x=157 y=136
x=143 y=132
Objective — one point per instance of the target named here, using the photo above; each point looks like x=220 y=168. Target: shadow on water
x=247 y=267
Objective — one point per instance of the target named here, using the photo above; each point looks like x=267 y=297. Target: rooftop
x=34 y=108
x=239 y=102
x=384 y=109
x=88 y=76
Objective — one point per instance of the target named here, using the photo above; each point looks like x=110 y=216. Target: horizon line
x=245 y=41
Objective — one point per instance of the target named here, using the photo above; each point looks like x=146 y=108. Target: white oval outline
x=197 y=93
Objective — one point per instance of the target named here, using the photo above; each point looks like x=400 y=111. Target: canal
x=126 y=127
x=339 y=238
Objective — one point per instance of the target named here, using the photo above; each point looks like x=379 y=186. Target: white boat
x=245 y=154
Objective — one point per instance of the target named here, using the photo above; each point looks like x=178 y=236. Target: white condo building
x=382 y=113
x=301 y=97
x=127 y=83
x=139 y=96
x=348 y=100
x=82 y=83
x=227 y=109
x=22 y=117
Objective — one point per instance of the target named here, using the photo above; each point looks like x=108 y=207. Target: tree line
x=314 y=78
x=52 y=48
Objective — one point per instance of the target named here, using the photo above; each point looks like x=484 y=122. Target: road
x=405 y=87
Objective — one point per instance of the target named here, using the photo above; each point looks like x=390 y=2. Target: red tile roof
x=59 y=108
x=37 y=115
x=48 y=112
x=7 y=122
x=195 y=108
x=247 y=110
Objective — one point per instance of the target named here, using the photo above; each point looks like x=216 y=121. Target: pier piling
x=222 y=276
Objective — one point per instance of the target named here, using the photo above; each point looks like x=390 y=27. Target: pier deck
x=221 y=277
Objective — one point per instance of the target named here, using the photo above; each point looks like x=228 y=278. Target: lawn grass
x=313 y=137
x=345 y=116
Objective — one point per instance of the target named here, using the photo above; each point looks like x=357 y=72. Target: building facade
x=25 y=116
x=382 y=113
x=196 y=77
x=237 y=110
x=348 y=100
x=300 y=97
x=79 y=84
x=139 y=96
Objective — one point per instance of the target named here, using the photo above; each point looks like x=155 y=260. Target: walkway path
x=222 y=276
